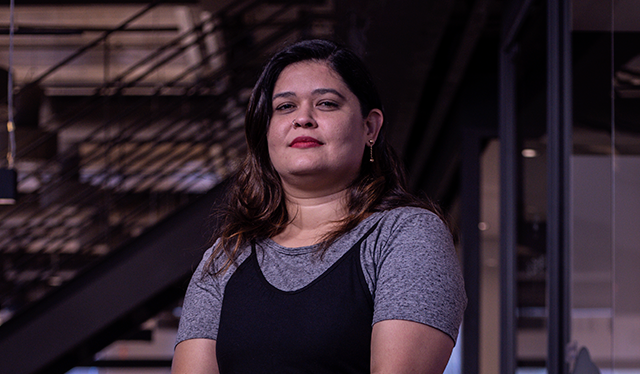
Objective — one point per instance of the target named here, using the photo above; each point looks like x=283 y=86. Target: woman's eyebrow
x=283 y=94
x=321 y=91
x=317 y=91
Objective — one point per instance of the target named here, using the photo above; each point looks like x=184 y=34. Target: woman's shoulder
x=404 y=212
x=382 y=225
x=412 y=234
x=214 y=267
x=411 y=218
x=406 y=231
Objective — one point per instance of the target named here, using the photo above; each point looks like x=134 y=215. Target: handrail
x=171 y=83
x=107 y=33
x=87 y=196
x=122 y=115
x=177 y=40
x=151 y=120
x=90 y=104
x=88 y=109
x=99 y=40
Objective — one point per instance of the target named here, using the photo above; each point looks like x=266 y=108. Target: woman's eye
x=284 y=106
x=328 y=104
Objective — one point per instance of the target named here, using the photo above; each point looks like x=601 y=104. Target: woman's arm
x=406 y=347
x=195 y=356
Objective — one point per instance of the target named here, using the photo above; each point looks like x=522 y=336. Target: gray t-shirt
x=408 y=261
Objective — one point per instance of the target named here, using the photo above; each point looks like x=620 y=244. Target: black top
x=324 y=327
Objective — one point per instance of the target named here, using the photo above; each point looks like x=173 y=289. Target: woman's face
x=317 y=135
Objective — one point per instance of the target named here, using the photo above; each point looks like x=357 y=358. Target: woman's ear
x=373 y=123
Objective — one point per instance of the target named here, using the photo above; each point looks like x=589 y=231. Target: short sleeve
x=418 y=274
x=202 y=305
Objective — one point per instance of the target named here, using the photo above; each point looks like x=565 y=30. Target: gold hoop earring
x=370 y=150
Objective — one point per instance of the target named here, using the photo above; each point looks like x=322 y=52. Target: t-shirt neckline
x=272 y=244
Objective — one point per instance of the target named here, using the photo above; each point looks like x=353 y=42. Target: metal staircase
x=109 y=224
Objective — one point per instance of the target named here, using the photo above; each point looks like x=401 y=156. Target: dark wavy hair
x=255 y=204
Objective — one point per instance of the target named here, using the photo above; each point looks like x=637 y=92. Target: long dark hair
x=255 y=206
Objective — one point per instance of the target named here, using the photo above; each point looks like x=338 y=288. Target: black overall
x=324 y=327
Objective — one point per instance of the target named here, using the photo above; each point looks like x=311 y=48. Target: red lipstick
x=305 y=142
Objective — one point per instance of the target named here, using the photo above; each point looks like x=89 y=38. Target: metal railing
x=146 y=159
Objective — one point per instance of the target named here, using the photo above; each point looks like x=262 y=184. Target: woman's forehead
x=308 y=74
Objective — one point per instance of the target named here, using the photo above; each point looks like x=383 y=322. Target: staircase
x=117 y=179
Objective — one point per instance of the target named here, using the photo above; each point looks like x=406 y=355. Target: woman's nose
x=299 y=122
x=304 y=118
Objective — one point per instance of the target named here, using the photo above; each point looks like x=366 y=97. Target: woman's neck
x=312 y=217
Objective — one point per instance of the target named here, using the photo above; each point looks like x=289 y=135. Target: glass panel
x=606 y=184
x=626 y=187
x=592 y=268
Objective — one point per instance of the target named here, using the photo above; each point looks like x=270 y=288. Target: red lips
x=305 y=142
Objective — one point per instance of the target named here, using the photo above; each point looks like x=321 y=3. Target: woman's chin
x=321 y=172
x=318 y=179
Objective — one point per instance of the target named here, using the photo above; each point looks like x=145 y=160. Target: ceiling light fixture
x=529 y=153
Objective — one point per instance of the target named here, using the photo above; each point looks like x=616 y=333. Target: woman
x=323 y=263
